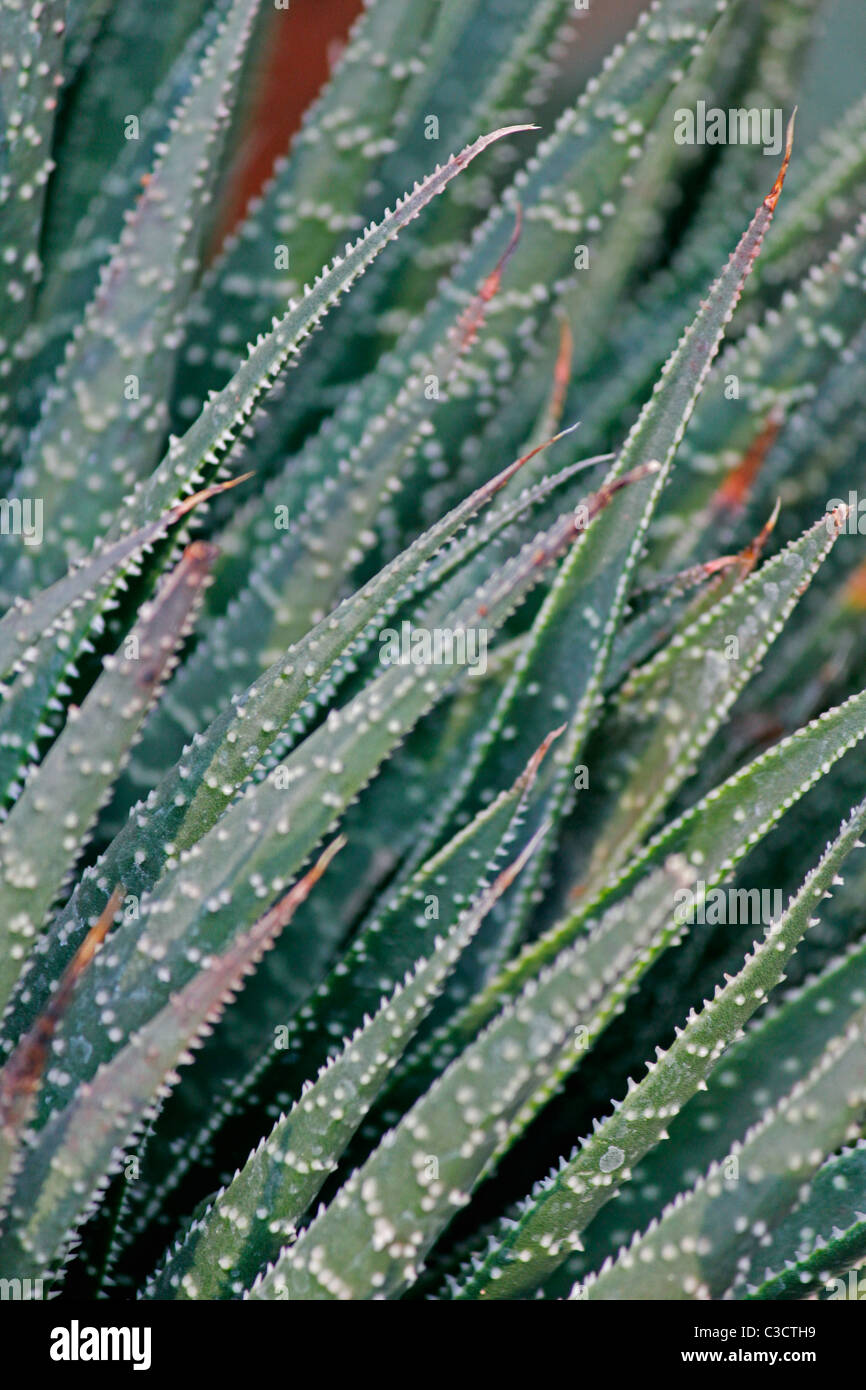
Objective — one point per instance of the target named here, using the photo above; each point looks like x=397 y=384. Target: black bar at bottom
x=87 y=1340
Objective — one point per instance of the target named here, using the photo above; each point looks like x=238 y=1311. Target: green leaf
x=41 y=640
x=93 y=130
x=227 y=412
x=103 y=419
x=291 y=584
x=563 y=666
x=464 y=1125
x=218 y=763
x=394 y=938
x=69 y=1158
x=197 y=1140
x=670 y=708
x=701 y=846
x=572 y=182
x=778 y=365
x=21 y=1076
x=208 y=440
x=585 y=967
x=250 y=1220
x=210 y=889
x=30 y=77
x=72 y=276
x=828 y=190
x=822 y=1238
x=68 y=787
x=554 y=1217
x=780 y=1046
x=83 y=19
x=32 y=619
x=695 y=1247
x=311 y=203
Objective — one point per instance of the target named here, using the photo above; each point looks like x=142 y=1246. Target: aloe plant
x=430 y=671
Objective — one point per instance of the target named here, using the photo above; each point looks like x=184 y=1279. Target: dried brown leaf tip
x=167 y=620
x=733 y=493
x=772 y=197
x=20 y=1077
x=540 y=754
x=751 y=554
x=470 y=322
x=204 y=495
x=854 y=592
x=561 y=372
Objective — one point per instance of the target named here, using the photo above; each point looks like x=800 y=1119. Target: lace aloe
x=430 y=664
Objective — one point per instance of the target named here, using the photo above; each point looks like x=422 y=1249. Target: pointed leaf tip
x=22 y=1073
x=772 y=197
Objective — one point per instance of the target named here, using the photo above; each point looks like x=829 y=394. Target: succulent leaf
x=224 y=1248
x=73 y=779
x=553 y=1218
x=68 y=1159
x=205 y=892
x=818 y=1241
x=30 y=77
